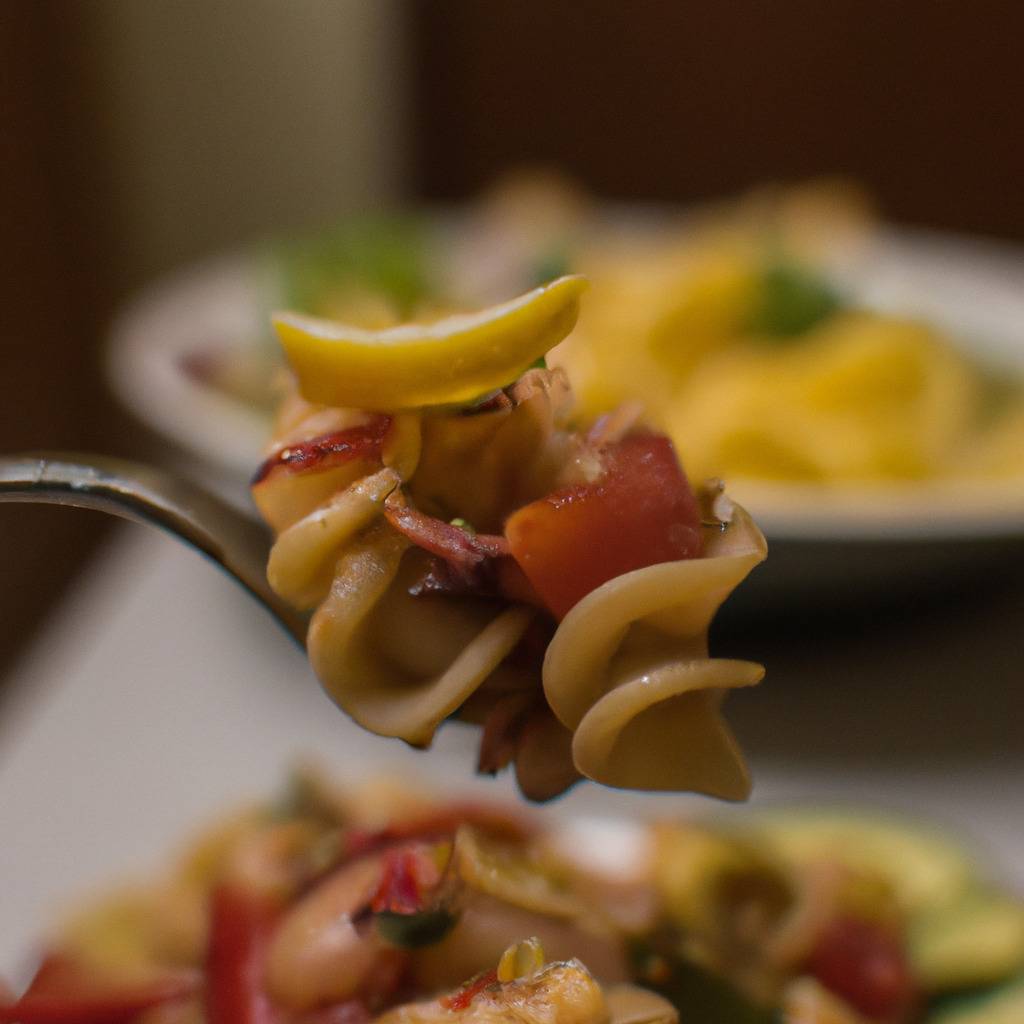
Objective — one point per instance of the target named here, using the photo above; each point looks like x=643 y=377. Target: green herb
x=791 y=299
x=539 y=364
x=411 y=931
x=386 y=254
x=701 y=996
x=554 y=263
x=462 y=524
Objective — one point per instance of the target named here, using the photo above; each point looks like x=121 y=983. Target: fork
x=144 y=494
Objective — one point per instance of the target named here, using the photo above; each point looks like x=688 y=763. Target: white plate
x=974 y=287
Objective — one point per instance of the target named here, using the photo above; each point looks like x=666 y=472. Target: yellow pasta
x=733 y=332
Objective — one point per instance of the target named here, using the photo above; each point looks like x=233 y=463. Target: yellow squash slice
x=450 y=360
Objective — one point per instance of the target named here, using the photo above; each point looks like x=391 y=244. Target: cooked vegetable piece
x=701 y=996
x=790 y=300
x=408 y=912
x=924 y=868
x=299 y=477
x=1003 y=1006
x=328 y=450
x=61 y=993
x=241 y=924
x=640 y=511
x=866 y=965
x=976 y=940
x=451 y=360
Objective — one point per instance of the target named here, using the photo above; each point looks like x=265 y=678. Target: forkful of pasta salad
x=453 y=540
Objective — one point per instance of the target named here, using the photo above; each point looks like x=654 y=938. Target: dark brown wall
x=54 y=296
x=685 y=99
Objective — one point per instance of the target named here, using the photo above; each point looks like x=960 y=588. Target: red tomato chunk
x=639 y=512
x=865 y=965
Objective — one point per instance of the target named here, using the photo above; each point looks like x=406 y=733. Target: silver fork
x=154 y=497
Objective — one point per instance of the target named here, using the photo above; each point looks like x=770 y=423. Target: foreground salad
x=333 y=906
x=471 y=548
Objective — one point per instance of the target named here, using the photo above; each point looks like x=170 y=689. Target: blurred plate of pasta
x=858 y=386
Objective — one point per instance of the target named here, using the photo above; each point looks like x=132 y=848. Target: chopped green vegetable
x=411 y=931
x=975 y=941
x=791 y=299
x=462 y=524
x=1004 y=1005
x=539 y=364
x=700 y=996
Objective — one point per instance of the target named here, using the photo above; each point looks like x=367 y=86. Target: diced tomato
x=62 y=993
x=406 y=875
x=241 y=925
x=866 y=965
x=465 y=995
x=639 y=512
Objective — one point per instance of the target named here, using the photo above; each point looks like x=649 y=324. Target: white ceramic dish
x=974 y=287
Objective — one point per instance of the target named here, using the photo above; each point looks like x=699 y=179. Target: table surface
x=158 y=695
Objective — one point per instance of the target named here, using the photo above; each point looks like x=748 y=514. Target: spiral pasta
x=628 y=671
x=496 y=563
x=399 y=664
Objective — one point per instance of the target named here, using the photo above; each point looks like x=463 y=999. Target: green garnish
x=411 y=931
x=791 y=299
x=462 y=524
x=386 y=254
x=700 y=995
x=552 y=264
x=539 y=364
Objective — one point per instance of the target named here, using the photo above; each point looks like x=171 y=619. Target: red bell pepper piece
x=62 y=993
x=399 y=891
x=465 y=995
x=241 y=925
x=640 y=511
x=318 y=453
x=865 y=965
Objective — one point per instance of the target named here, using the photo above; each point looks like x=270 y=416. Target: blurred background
x=142 y=135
